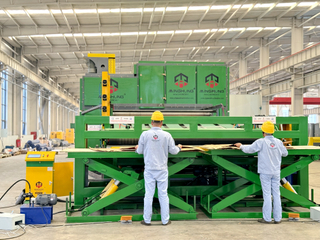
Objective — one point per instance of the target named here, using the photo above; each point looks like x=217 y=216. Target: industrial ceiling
x=55 y=35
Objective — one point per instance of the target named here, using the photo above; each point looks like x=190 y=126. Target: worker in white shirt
x=155 y=145
x=270 y=152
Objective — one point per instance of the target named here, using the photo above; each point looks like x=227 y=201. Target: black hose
x=15 y=184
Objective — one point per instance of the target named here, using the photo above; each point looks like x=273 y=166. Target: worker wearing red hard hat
x=155 y=145
x=270 y=151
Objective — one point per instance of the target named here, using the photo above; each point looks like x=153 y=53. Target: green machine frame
x=236 y=186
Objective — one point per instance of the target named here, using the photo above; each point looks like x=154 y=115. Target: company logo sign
x=212 y=80
x=181 y=80
x=113 y=86
x=272 y=145
x=38 y=184
x=155 y=137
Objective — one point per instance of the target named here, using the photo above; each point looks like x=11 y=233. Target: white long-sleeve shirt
x=155 y=145
x=270 y=151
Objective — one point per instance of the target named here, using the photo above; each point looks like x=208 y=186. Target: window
x=24 y=109
x=4 y=103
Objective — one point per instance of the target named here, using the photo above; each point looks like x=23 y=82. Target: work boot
x=277 y=222
x=169 y=222
x=263 y=221
x=144 y=223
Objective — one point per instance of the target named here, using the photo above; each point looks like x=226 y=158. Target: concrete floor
x=13 y=168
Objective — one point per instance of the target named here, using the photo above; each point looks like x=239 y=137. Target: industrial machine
x=222 y=182
x=47 y=176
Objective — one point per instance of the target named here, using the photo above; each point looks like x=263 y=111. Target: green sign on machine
x=211 y=85
x=123 y=90
x=181 y=84
x=151 y=84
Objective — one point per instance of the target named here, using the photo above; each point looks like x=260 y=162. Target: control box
x=11 y=221
x=315 y=213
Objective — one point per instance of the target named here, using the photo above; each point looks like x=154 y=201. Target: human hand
x=136 y=147
x=180 y=146
x=238 y=145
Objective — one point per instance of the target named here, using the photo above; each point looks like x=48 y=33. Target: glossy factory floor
x=13 y=168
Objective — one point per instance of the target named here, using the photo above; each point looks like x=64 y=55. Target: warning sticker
x=261 y=120
x=121 y=120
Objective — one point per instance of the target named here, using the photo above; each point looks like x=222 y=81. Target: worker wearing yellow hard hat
x=155 y=145
x=270 y=152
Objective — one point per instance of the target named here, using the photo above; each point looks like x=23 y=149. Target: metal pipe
x=91 y=109
x=164 y=113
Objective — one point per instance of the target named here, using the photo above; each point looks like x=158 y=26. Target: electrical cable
x=59 y=212
x=61 y=200
x=15 y=184
x=24 y=232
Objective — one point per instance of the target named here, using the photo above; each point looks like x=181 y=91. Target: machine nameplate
x=260 y=120
x=121 y=120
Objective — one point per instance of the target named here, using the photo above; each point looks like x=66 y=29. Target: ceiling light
x=220 y=7
x=306 y=4
x=129 y=33
x=197 y=8
x=201 y=30
x=2 y=12
x=54 y=35
x=223 y=29
x=103 y=10
x=183 y=31
x=77 y=35
x=67 y=11
x=170 y=9
x=33 y=11
x=54 y=11
x=263 y=5
x=285 y=4
x=115 y=10
x=110 y=34
x=236 y=29
x=214 y=30
x=247 y=5
x=165 y=32
x=16 y=12
x=254 y=28
x=160 y=9
x=35 y=36
x=85 y=10
x=131 y=10
x=92 y=34
x=270 y=28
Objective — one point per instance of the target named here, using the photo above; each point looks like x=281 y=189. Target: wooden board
x=185 y=148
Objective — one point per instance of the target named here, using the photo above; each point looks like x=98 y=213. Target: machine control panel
x=40 y=156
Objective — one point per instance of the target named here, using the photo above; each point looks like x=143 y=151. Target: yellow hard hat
x=157 y=116
x=267 y=127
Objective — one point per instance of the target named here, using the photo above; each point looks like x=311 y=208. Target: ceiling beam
x=134 y=27
x=157 y=46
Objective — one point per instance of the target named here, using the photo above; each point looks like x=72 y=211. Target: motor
x=46 y=199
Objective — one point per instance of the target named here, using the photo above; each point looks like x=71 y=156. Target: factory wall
x=42 y=117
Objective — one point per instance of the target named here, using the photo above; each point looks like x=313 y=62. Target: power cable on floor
x=12 y=237
x=15 y=184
